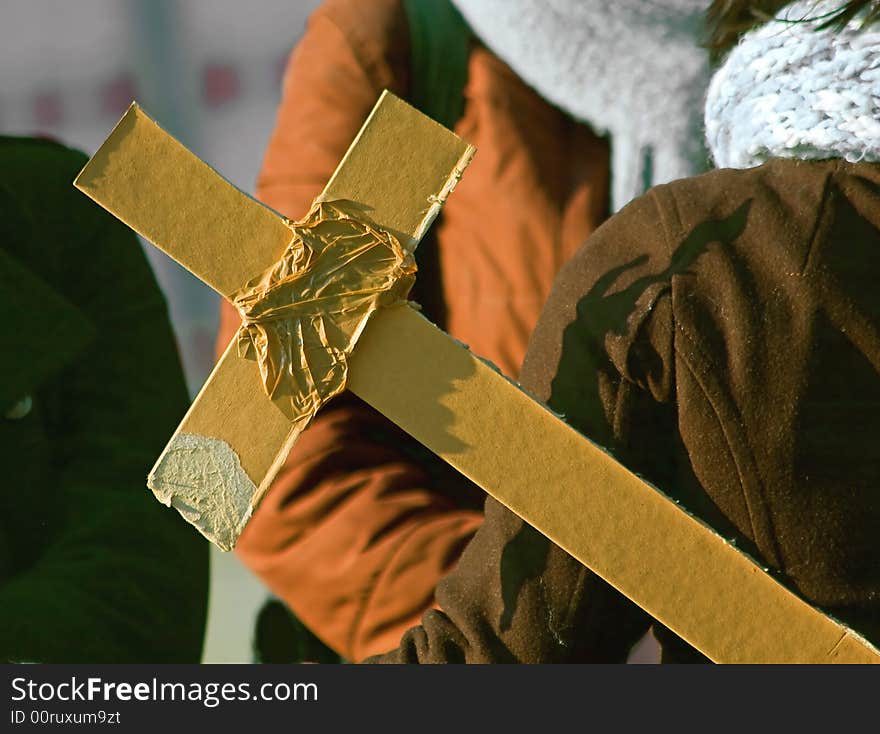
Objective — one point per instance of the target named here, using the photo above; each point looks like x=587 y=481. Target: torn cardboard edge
x=188 y=464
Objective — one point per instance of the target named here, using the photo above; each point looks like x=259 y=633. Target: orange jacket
x=362 y=523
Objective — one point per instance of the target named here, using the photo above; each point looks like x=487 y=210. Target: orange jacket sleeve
x=361 y=523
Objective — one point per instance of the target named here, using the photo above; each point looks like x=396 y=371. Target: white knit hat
x=633 y=69
x=790 y=90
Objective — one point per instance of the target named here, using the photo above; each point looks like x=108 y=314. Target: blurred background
x=209 y=71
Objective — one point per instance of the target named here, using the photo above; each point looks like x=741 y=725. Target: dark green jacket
x=92 y=568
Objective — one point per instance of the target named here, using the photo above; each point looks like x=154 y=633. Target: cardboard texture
x=401 y=167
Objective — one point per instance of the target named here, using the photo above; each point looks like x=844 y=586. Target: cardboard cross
x=230 y=444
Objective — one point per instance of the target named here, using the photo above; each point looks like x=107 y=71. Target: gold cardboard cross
x=233 y=440
x=226 y=451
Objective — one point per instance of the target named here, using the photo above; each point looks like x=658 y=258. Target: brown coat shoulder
x=744 y=301
x=721 y=336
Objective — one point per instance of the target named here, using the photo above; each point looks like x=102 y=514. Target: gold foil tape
x=303 y=316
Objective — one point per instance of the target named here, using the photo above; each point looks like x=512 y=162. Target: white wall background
x=209 y=72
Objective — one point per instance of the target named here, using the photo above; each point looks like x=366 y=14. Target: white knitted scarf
x=788 y=90
x=633 y=69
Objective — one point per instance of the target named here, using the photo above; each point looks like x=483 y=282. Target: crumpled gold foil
x=302 y=317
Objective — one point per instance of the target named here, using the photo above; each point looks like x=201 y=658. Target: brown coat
x=362 y=523
x=721 y=335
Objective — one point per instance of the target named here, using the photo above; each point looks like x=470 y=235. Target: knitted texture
x=790 y=91
x=632 y=69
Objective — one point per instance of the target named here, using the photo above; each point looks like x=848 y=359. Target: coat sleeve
x=602 y=356
x=119 y=578
x=361 y=523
